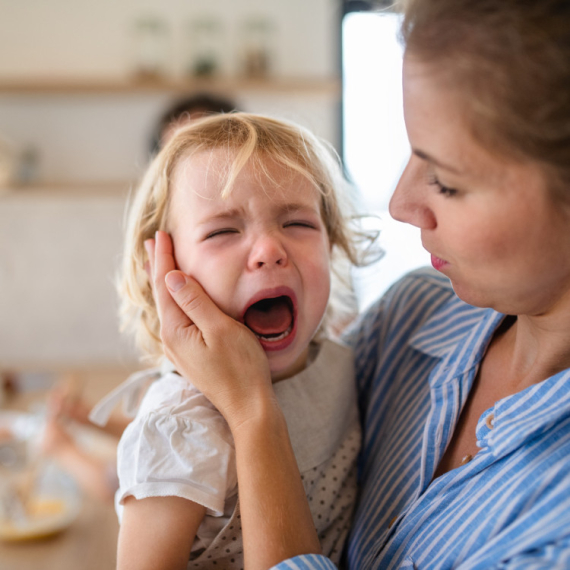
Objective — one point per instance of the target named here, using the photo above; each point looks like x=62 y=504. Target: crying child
x=252 y=207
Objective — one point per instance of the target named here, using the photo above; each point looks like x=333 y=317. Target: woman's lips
x=438 y=263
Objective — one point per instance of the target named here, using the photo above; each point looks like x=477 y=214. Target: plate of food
x=37 y=499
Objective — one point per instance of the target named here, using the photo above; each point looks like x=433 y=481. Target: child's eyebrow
x=233 y=213
x=298 y=207
x=220 y=216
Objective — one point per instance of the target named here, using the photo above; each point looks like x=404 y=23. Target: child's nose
x=267 y=251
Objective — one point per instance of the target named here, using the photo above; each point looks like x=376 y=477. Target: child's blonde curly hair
x=249 y=139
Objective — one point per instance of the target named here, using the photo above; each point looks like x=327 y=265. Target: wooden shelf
x=67 y=189
x=67 y=86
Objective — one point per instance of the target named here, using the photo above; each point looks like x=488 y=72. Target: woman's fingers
x=195 y=303
x=161 y=263
x=219 y=355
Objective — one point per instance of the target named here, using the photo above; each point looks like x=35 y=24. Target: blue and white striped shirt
x=418 y=351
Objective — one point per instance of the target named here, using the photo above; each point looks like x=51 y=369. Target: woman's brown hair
x=511 y=61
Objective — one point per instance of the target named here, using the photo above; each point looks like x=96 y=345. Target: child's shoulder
x=173 y=394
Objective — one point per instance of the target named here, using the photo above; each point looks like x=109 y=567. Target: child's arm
x=65 y=402
x=92 y=473
x=157 y=533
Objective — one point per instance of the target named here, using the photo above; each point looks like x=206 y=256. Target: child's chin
x=282 y=368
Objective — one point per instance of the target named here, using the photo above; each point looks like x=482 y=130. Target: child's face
x=262 y=253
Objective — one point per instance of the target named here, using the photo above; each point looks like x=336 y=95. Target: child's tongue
x=269 y=317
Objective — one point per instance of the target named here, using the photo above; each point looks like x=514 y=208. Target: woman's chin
x=472 y=296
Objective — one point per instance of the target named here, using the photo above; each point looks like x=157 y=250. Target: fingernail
x=175 y=280
x=147 y=245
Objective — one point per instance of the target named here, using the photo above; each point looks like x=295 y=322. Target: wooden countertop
x=90 y=542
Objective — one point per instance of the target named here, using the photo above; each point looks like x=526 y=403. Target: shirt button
x=391 y=523
x=466 y=459
x=490 y=421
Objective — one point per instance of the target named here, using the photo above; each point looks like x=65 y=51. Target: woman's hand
x=225 y=361
x=219 y=355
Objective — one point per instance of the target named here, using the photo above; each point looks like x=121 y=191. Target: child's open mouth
x=272 y=320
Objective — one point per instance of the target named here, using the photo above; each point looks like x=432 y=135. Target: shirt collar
x=458 y=334
x=454 y=324
x=526 y=415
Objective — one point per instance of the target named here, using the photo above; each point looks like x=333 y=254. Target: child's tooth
x=275 y=338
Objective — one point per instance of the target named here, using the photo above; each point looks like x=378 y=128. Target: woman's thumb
x=175 y=280
x=193 y=300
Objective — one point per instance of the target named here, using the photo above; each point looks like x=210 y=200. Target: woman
x=464 y=373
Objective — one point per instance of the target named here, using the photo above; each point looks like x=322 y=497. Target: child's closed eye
x=221 y=232
x=300 y=224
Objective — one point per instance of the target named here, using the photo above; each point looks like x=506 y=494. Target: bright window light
x=375 y=144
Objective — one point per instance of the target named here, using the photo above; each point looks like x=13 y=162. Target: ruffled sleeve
x=178 y=445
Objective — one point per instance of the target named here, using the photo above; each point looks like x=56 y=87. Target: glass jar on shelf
x=257 y=46
x=204 y=47
x=151 y=39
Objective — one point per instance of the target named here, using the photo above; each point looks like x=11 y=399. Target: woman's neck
x=532 y=349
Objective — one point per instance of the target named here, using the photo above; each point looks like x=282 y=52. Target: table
x=90 y=543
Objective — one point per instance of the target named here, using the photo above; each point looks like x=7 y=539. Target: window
x=375 y=144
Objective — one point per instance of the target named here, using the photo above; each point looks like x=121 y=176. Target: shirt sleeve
x=188 y=454
x=306 y=562
x=552 y=555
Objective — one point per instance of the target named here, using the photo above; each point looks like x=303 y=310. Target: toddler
x=252 y=207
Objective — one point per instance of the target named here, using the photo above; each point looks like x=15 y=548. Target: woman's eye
x=445 y=190
x=223 y=231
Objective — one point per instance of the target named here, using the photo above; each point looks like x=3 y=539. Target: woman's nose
x=409 y=202
x=267 y=251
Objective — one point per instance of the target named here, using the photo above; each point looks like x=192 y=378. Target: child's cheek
x=215 y=279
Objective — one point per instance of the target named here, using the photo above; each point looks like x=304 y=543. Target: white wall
x=58 y=258
x=104 y=138
x=94 y=38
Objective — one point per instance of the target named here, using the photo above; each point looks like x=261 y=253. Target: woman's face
x=489 y=222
